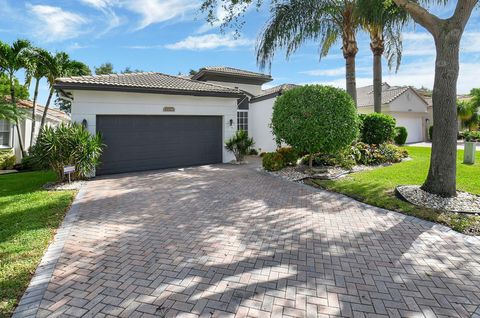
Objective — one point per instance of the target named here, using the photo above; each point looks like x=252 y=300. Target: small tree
x=239 y=144
x=315 y=119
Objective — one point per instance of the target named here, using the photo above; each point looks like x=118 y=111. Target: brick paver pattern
x=229 y=241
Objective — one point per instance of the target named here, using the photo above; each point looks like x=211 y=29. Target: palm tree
x=59 y=65
x=12 y=59
x=36 y=68
x=294 y=22
x=468 y=114
x=383 y=21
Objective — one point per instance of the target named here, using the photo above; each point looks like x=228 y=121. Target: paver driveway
x=230 y=241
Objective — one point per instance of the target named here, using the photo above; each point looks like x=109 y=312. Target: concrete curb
x=31 y=299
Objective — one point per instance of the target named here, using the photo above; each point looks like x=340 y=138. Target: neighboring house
x=154 y=121
x=8 y=132
x=404 y=103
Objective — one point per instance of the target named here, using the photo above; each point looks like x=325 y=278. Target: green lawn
x=29 y=217
x=376 y=187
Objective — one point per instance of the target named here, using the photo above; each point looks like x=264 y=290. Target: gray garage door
x=136 y=143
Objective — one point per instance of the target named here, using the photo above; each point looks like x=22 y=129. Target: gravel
x=464 y=202
x=297 y=173
x=60 y=186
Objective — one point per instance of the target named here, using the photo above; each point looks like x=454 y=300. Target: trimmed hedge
x=315 y=119
x=401 y=135
x=378 y=128
x=273 y=161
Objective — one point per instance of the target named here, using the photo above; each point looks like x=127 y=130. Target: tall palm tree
x=294 y=22
x=383 y=20
x=12 y=59
x=36 y=68
x=59 y=65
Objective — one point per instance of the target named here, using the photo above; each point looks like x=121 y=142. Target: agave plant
x=68 y=144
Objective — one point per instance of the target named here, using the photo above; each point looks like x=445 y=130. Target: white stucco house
x=404 y=103
x=154 y=120
x=9 y=138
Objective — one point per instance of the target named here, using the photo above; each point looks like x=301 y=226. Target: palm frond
x=294 y=22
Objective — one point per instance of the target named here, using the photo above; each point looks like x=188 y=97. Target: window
x=4 y=133
x=242 y=120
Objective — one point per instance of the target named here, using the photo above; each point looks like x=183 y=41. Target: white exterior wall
x=408 y=102
x=259 y=119
x=88 y=104
x=25 y=130
x=249 y=88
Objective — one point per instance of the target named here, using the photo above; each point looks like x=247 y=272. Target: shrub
x=315 y=119
x=239 y=144
x=7 y=159
x=289 y=155
x=472 y=136
x=401 y=135
x=378 y=128
x=430 y=132
x=371 y=154
x=67 y=144
x=253 y=152
x=342 y=159
x=273 y=161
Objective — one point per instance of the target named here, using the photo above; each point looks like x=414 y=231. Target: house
x=154 y=120
x=8 y=133
x=404 y=103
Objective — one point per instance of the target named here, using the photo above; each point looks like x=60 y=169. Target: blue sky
x=171 y=36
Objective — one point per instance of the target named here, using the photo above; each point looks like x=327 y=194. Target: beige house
x=8 y=133
x=404 y=103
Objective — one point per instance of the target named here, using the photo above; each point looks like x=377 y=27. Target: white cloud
x=54 y=24
x=328 y=72
x=209 y=42
x=222 y=13
x=106 y=7
x=155 y=11
x=418 y=74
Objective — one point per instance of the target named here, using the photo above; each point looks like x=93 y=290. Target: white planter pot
x=469 y=153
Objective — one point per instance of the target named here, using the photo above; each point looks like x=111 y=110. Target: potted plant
x=471 y=139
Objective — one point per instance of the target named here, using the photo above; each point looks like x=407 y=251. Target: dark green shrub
x=315 y=119
x=430 y=132
x=401 y=135
x=239 y=144
x=378 y=128
x=273 y=161
x=67 y=144
x=7 y=159
x=253 y=152
x=289 y=155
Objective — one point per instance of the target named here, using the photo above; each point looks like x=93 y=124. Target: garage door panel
x=136 y=143
x=414 y=128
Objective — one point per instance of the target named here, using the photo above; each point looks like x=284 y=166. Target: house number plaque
x=168 y=109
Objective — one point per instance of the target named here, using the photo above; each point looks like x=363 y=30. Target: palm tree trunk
x=44 y=116
x=377 y=83
x=441 y=179
x=377 y=46
x=17 y=124
x=350 y=77
x=34 y=111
